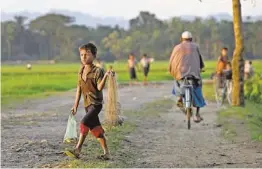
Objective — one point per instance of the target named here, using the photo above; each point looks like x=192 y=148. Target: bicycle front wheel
x=188 y=115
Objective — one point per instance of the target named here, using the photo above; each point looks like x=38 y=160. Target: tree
x=20 y=34
x=112 y=42
x=8 y=30
x=238 y=61
x=238 y=98
x=54 y=36
x=53 y=27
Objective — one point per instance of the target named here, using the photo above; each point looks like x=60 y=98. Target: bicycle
x=223 y=90
x=187 y=88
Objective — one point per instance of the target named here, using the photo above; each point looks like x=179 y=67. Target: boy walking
x=131 y=62
x=91 y=81
x=145 y=62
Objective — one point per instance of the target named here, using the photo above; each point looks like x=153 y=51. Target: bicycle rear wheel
x=229 y=92
x=188 y=116
x=220 y=93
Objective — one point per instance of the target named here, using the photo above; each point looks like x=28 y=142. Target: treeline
x=56 y=37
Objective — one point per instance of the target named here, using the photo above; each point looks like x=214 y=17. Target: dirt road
x=32 y=134
x=166 y=142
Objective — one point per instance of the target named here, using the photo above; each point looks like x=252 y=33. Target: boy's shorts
x=132 y=73
x=91 y=121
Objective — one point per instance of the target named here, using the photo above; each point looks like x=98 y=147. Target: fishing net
x=113 y=106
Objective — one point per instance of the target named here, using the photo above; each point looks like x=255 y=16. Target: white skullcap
x=186 y=35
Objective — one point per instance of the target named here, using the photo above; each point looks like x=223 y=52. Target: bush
x=253 y=89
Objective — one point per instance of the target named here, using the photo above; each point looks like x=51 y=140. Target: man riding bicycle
x=185 y=61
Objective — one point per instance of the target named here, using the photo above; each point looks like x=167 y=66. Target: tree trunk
x=238 y=61
x=9 y=50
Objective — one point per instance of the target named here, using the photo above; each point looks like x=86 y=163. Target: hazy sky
x=130 y=8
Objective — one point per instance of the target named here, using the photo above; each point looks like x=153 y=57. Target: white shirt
x=248 y=68
x=146 y=61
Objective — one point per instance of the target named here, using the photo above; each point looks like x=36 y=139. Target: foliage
x=234 y=120
x=253 y=88
x=56 y=37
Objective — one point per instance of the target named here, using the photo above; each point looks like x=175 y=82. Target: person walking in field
x=91 y=81
x=228 y=71
x=132 y=64
x=228 y=76
x=186 y=60
x=145 y=62
x=248 y=70
x=221 y=66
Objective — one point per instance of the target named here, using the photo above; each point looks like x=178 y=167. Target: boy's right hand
x=110 y=72
x=74 y=110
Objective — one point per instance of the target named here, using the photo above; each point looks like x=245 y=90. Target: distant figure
x=131 y=67
x=228 y=71
x=248 y=71
x=228 y=76
x=29 y=66
x=145 y=62
x=221 y=66
x=52 y=62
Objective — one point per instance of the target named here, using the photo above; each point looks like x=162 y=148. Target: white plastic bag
x=71 y=132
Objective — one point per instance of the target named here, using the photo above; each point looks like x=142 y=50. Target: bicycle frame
x=187 y=99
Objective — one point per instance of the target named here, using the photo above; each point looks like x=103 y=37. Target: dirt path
x=165 y=142
x=32 y=134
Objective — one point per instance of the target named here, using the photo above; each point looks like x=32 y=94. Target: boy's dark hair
x=250 y=62
x=130 y=54
x=89 y=46
x=145 y=55
x=225 y=48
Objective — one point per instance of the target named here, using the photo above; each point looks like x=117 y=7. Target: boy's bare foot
x=104 y=156
x=73 y=153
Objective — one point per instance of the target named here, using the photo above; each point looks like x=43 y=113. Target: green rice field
x=19 y=83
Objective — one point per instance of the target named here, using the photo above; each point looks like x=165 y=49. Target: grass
x=18 y=83
x=250 y=115
x=229 y=130
x=209 y=92
x=92 y=149
x=122 y=156
x=233 y=118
